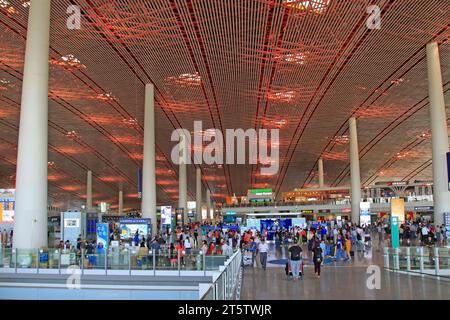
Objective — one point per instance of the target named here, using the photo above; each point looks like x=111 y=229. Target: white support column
x=120 y=202
x=182 y=179
x=148 y=166
x=355 y=179
x=198 y=194
x=89 y=191
x=208 y=205
x=30 y=227
x=320 y=168
x=439 y=134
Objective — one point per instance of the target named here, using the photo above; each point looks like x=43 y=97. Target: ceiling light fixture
x=131 y=122
x=294 y=58
x=107 y=97
x=72 y=135
x=284 y=96
x=72 y=61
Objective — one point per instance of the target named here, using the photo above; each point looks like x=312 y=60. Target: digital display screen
x=129 y=230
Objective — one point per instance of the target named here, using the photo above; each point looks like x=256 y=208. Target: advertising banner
x=166 y=215
x=103 y=234
x=139 y=183
x=398 y=209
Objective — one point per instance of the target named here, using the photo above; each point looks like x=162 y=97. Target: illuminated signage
x=397 y=183
x=364 y=208
x=423 y=209
x=398 y=209
x=260 y=191
x=230 y=213
x=166 y=215
x=307 y=211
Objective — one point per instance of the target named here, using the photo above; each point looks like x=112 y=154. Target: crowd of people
x=320 y=241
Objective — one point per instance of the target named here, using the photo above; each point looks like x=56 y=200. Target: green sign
x=260 y=191
x=394 y=232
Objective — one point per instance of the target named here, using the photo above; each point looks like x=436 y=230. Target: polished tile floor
x=343 y=280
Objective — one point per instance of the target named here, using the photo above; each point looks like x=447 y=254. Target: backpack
x=295 y=255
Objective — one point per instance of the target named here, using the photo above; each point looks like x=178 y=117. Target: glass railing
x=225 y=287
x=427 y=260
x=128 y=259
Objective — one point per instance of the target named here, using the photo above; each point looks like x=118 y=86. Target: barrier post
x=396 y=259
x=179 y=263
x=59 y=261
x=408 y=259
x=154 y=263
x=38 y=251
x=15 y=259
x=421 y=259
x=204 y=263
x=129 y=261
x=436 y=261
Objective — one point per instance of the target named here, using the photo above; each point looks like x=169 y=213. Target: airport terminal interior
x=224 y=150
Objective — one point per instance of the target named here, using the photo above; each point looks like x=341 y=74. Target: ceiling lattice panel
x=304 y=67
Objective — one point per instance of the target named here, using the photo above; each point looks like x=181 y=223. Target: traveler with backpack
x=295 y=259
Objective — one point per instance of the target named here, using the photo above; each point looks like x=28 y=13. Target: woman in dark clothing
x=317 y=258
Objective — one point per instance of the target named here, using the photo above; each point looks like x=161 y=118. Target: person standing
x=317 y=258
x=187 y=245
x=295 y=259
x=263 y=253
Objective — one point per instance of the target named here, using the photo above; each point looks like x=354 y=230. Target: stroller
x=288 y=269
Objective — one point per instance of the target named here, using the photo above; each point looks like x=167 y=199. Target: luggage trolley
x=288 y=269
x=246 y=258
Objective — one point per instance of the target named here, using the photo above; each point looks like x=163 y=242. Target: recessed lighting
x=294 y=58
x=106 y=96
x=131 y=122
x=71 y=60
x=72 y=135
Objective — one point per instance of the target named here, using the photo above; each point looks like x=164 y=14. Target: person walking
x=253 y=247
x=295 y=259
x=263 y=253
x=317 y=258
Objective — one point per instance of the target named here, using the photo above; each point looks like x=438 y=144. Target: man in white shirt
x=264 y=253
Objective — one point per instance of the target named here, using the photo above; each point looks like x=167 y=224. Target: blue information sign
x=103 y=234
